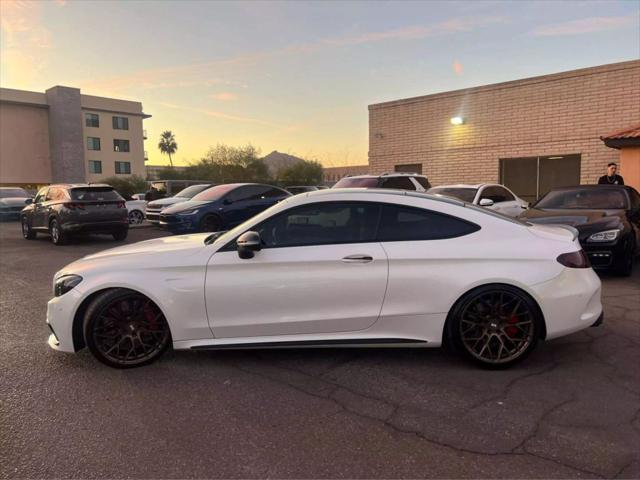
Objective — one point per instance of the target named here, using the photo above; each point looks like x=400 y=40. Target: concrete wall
x=550 y=115
x=24 y=145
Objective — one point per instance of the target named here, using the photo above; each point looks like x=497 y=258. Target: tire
x=489 y=320
x=120 y=235
x=210 y=223
x=27 y=232
x=136 y=217
x=624 y=268
x=124 y=329
x=58 y=237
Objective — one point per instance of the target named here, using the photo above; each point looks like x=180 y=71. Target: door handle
x=357 y=259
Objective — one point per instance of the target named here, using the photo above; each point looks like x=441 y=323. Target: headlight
x=606 y=236
x=188 y=212
x=65 y=283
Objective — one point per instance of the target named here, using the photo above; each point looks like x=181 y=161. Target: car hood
x=165 y=202
x=586 y=222
x=13 y=201
x=183 y=206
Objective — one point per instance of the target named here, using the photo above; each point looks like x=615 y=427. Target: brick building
x=532 y=134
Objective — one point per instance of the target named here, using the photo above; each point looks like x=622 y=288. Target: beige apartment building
x=62 y=135
x=532 y=134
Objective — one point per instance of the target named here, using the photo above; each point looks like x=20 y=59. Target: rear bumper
x=97 y=227
x=570 y=302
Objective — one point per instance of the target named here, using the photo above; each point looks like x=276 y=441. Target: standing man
x=612 y=177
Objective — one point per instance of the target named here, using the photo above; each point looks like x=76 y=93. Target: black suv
x=63 y=210
x=399 y=181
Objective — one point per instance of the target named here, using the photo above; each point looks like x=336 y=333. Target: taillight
x=74 y=206
x=577 y=259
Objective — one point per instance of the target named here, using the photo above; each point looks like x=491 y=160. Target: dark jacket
x=606 y=180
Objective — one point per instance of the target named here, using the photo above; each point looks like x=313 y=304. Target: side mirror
x=28 y=201
x=486 y=202
x=248 y=243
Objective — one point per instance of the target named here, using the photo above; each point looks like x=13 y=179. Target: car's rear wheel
x=58 y=237
x=136 y=217
x=120 y=235
x=210 y=223
x=495 y=326
x=27 y=232
x=124 y=329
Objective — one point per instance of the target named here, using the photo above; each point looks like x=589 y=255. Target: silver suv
x=398 y=181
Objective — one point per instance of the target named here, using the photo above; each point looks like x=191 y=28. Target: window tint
x=53 y=194
x=423 y=182
x=94 y=194
x=354 y=182
x=400 y=183
x=399 y=223
x=41 y=195
x=321 y=224
x=461 y=193
x=605 y=198
x=497 y=194
x=91 y=120
x=214 y=193
x=192 y=191
x=253 y=193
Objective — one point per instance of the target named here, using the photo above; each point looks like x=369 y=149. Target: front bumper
x=604 y=255
x=153 y=216
x=60 y=313
x=570 y=302
x=179 y=224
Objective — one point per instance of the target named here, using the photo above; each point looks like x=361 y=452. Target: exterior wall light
x=457 y=120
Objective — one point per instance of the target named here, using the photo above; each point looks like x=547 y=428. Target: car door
x=37 y=220
x=320 y=270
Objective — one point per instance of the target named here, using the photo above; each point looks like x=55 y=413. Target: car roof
x=382 y=191
x=465 y=185
x=392 y=174
x=79 y=185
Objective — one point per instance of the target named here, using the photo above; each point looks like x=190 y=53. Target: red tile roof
x=629 y=132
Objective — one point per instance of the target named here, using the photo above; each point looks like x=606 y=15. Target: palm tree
x=168 y=144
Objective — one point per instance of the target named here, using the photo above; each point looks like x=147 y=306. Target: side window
x=52 y=194
x=321 y=224
x=399 y=183
x=239 y=194
x=399 y=223
x=42 y=193
x=274 y=193
x=497 y=194
x=423 y=182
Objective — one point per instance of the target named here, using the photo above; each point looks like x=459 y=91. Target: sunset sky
x=296 y=77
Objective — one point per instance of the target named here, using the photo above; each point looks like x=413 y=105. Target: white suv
x=398 y=181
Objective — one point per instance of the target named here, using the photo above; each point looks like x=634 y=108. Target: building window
x=93 y=143
x=123 y=167
x=95 y=166
x=91 y=119
x=120 y=123
x=120 y=145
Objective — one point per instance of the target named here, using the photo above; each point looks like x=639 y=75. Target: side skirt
x=363 y=342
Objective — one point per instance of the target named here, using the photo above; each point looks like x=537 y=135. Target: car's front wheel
x=210 y=223
x=124 y=329
x=495 y=326
x=27 y=232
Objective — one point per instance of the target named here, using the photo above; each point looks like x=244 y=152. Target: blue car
x=221 y=207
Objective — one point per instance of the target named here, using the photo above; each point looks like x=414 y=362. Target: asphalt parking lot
x=572 y=409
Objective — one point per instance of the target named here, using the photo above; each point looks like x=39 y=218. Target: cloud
x=583 y=26
x=224 y=96
x=457 y=68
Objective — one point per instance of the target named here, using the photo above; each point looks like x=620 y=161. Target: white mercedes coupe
x=349 y=268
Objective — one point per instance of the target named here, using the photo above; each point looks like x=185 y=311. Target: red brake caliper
x=151 y=317
x=512 y=330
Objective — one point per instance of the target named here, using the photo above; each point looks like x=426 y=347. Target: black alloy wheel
x=210 y=223
x=58 y=237
x=125 y=329
x=495 y=326
x=27 y=231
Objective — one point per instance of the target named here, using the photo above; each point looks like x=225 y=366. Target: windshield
x=464 y=194
x=13 y=192
x=584 y=198
x=95 y=194
x=191 y=191
x=214 y=193
x=355 y=182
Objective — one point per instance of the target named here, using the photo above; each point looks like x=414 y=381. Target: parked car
x=170 y=188
x=12 y=201
x=349 y=267
x=399 y=181
x=221 y=207
x=138 y=196
x=489 y=195
x=607 y=218
x=68 y=209
x=304 y=188
x=154 y=208
x=136 y=210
